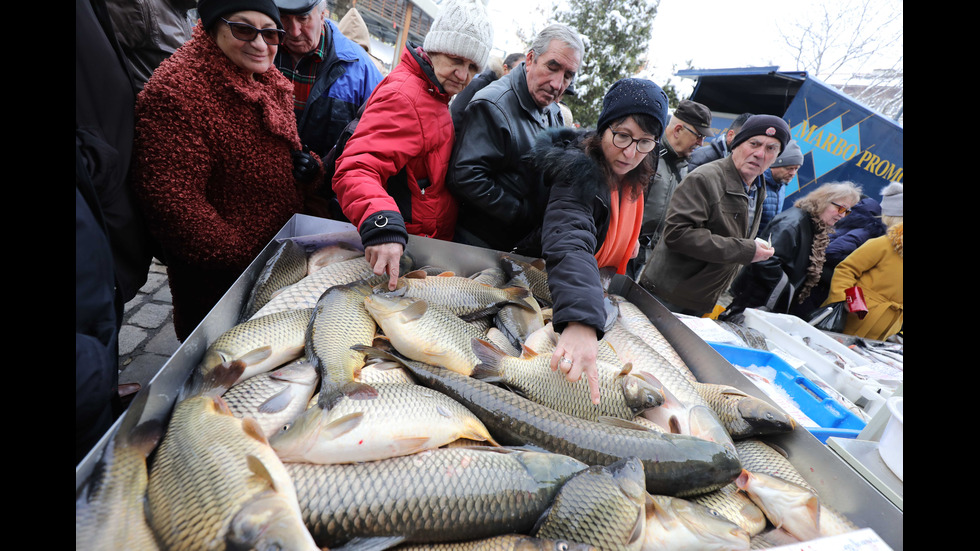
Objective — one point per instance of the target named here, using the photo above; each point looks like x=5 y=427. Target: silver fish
x=215 y=479
x=425 y=332
x=506 y=542
x=533 y=274
x=329 y=254
x=286 y=266
x=441 y=495
x=674 y=464
x=744 y=415
x=260 y=344
x=306 y=292
x=793 y=508
x=467 y=298
x=339 y=321
x=275 y=398
x=682 y=525
x=375 y=422
x=735 y=507
x=109 y=511
x=623 y=395
x=603 y=506
x=636 y=322
x=696 y=418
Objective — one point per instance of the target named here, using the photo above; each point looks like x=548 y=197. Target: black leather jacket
x=487 y=172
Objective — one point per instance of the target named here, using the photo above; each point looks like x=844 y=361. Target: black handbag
x=831 y=318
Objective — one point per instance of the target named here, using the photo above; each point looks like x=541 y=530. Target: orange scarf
x=625 y=219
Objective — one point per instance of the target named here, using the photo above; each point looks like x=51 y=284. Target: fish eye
x=562 y=546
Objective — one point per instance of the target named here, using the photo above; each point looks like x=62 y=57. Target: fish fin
x=527 y=353
x=408 y=445
x=255 y=356
x=622 y=423
x=260 y=471
x=489 y=356
x=638 y=527
x=370 y=544
x=277 y=403
x=254 y=430
x=414 y=310
x=416 y=274
x=343 y=425
x=627 y=367
x=539 y=264
x=474 y=429
x=518 y=296
x=359 y=391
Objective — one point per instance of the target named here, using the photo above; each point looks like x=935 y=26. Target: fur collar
x=896 y=234
x=558 y=155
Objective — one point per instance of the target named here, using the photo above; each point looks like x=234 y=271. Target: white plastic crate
x=824 y=357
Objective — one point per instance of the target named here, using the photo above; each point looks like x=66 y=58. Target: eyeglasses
x=247 y=33
x=697 y=134
x=623 y=140
x=841 y=209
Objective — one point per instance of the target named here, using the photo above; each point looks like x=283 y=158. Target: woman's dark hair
x=636 y=180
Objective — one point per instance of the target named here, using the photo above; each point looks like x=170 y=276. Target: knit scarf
x=625 y=219
x=821 y=238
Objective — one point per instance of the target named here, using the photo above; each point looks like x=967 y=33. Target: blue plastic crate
x=833 y=418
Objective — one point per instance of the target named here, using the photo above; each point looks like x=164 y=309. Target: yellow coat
x=877 y=267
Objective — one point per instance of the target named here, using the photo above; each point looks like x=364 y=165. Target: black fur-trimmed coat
x=574 y=214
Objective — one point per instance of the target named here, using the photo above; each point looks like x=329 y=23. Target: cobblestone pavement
x=147 y=338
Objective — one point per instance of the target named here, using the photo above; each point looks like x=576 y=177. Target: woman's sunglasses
x=841 y=209
x=247 y=33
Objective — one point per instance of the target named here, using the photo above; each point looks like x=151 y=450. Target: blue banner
x=842 y=140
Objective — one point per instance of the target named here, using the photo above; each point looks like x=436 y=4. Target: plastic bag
x=832 y=321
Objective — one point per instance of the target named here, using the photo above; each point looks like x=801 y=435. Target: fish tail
x=489 y=356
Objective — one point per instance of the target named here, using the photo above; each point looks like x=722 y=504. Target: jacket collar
x=518 y=81
x=421 y=67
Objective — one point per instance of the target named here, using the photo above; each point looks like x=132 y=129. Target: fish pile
x=339 y=413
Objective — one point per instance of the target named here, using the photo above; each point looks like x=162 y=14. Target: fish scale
x=305 y=292
x=275 y=398
x=441 y=495
x=339 y=321
x=506 y=542
x=602 y=506
x=623 y=396
x=465 y=297
x=426 y=332
x=636 y=322
x=286 y=266
x=262 y=343
x=109 y=513
x=379 y=421
x=209 y=467
x=674 y=464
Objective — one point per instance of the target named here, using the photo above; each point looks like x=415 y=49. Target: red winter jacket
x=406 y=124
x=213 y=172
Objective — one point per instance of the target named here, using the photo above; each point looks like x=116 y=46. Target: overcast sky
x=712 y=33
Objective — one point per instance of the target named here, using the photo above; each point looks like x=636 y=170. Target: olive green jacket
x=706 y=238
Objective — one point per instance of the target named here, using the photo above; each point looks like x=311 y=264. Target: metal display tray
x=838 y=485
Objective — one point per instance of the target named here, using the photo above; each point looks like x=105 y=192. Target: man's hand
x=576 y=354
x=762 y=251
x=384 y=258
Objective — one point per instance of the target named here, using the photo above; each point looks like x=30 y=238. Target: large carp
x=674 y=464
x=215 y=482
x=450 y=494
x=603 y=506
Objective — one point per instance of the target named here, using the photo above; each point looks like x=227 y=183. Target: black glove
x=305 y=166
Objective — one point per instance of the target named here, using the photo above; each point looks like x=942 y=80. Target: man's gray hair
x=560 y=32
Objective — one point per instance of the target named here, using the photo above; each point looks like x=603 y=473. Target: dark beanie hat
x=631 y=96
x=211 y=10
x=763 y=125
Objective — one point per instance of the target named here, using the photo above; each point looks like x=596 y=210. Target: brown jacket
x=707 y=237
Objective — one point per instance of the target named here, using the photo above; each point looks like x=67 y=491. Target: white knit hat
x=462 y=29
x=891 y=199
